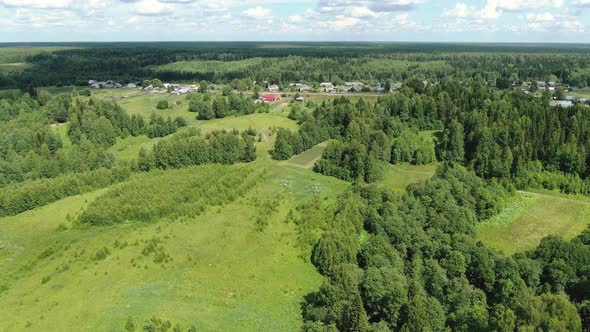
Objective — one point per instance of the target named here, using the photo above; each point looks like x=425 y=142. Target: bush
x=162 y=105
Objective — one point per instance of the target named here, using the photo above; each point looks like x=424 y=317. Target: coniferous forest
x=348 y=187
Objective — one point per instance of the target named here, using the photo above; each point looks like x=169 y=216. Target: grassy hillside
x=219 y=271
x=532 y=216
x=308 y=158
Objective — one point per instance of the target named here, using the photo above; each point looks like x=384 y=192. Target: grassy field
x=224 y=275
x=308 y=158
x=62 y=131
x=398 y=177
x=532 y=216
x=21 y=53
x=128 y=148
x=11 y=68
x=580 y=93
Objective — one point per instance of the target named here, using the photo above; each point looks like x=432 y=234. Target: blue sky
x=297 y=20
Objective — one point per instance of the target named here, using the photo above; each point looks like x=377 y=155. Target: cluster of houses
x=568 y=102
x=109 y=85
x=177 y=89
x=330 y=88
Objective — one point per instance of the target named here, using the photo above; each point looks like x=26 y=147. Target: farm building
x=270 y=98
x=561 y=103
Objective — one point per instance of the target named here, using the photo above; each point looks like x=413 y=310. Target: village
x=274 y=92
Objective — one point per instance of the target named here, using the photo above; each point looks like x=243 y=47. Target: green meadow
x=222 y=273
x=532 y=216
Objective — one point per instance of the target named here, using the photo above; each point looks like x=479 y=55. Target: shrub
x=162 y=105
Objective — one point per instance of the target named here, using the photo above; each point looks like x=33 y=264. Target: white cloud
x=361 y=12
x=378 y=6
x=495 y=8
x=340 y=22
x=41 y=4
x=460 y=10
x=519 y=5
x=258 y=13
x=295 y=19
x=541 y=17
x=151 y=8
x=582 y=3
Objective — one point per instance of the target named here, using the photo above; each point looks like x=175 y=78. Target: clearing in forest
x=532 y=216
x=309 y=157
x=398 y=177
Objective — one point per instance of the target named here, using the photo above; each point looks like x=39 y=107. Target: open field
x=399 y=177
x=233 y=276
x=21 y=53
x=580 y=93
x=532 y=216
x=308 y=158
x=62 y=131
x=11 y=68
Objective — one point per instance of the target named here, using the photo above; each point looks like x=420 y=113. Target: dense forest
x=419 y=267
x=337 y=62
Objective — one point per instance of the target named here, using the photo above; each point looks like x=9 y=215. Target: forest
x=75 y=64
x=315 y=211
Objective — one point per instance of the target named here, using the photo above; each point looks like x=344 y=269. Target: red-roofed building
x=270 y=98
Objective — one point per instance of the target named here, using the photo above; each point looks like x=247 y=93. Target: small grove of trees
x=209 y=107
x=186 y=192
x=367 y=137
x=191 y=148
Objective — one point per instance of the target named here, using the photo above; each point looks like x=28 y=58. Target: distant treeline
x=305 y=61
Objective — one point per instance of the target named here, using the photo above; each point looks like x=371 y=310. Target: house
x=541 y=85
x=149 y=88
x=304 y=88
x=326 y=85
x=269 y=98
x=552 y=88
x=583 y=100
x=300 y=99
x=95 y=86
x=91 y=82
x=354 y=84
x=380 y=90
x=131 y=86
x=273 y=88
x=330 y=90
x=561 y=103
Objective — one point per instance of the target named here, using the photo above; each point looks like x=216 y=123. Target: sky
x=554 y=21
